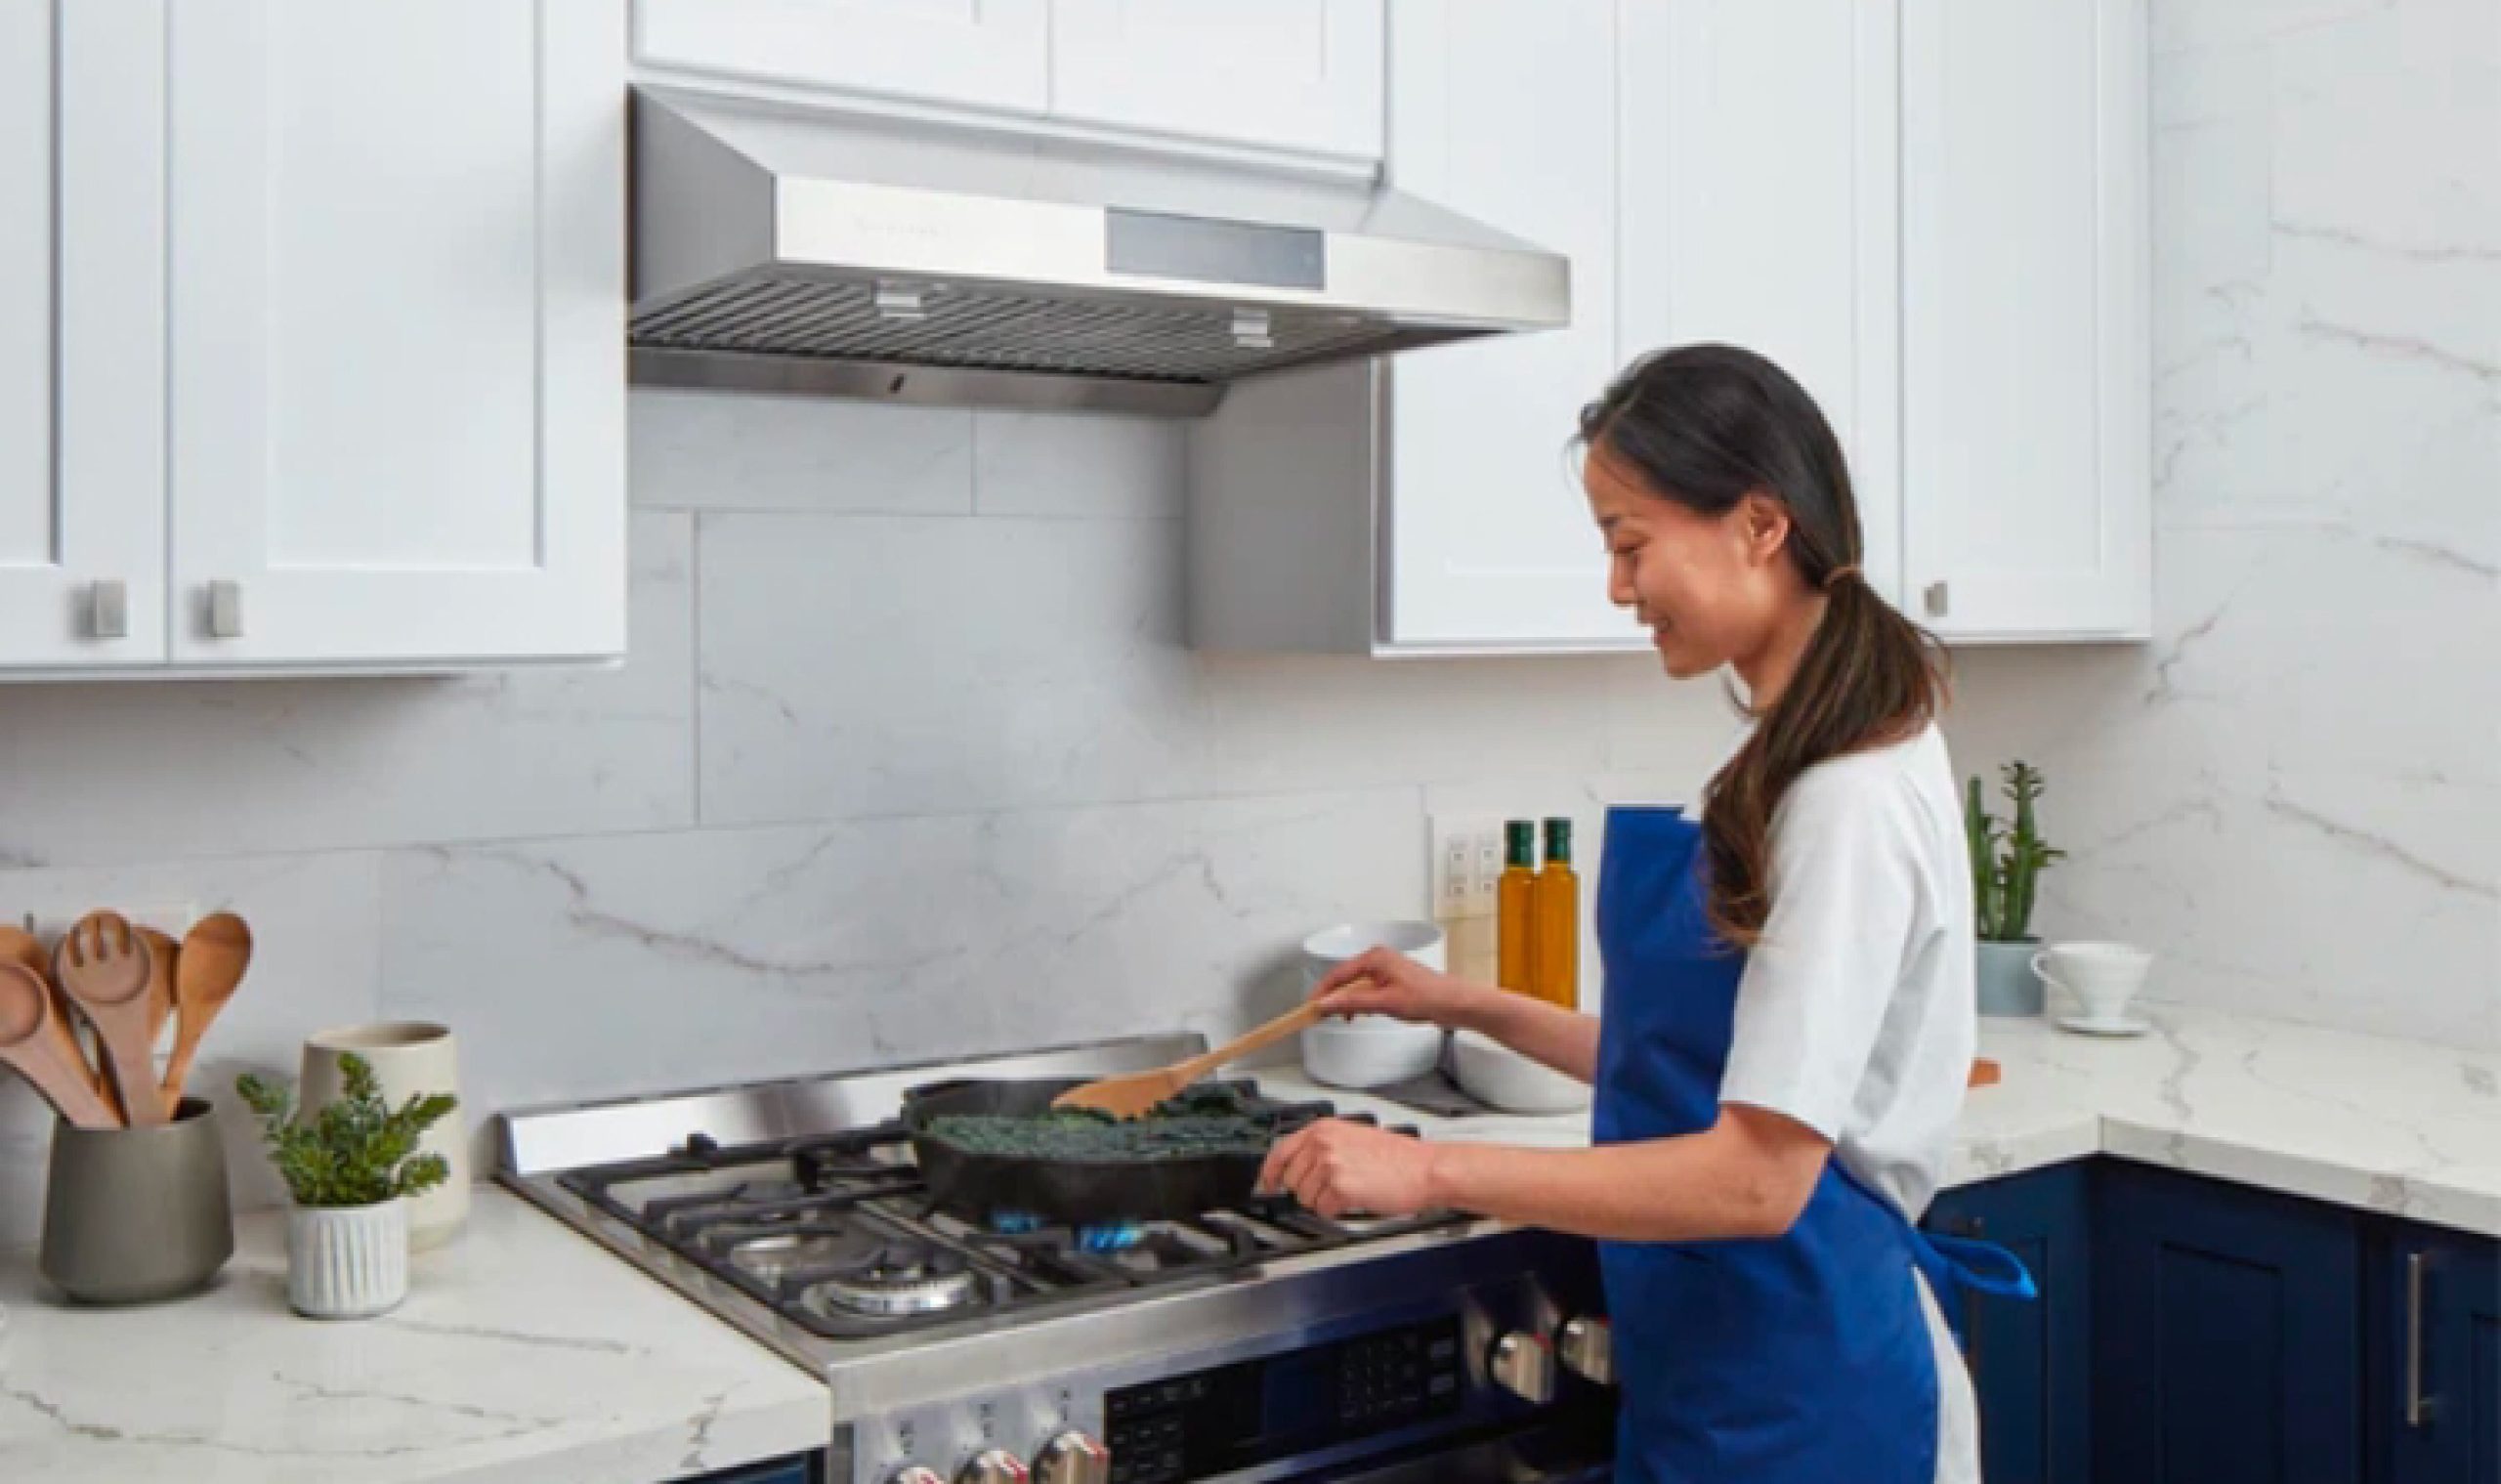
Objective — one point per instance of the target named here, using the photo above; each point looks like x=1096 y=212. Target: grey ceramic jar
x=132 y=1215
x=2006 y=982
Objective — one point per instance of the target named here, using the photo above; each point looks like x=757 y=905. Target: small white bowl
x=1369 y=1052
x=1494 y=1074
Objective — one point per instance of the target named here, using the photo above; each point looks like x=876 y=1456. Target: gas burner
x=1106 y=1237
x=897 y=1280
x=770 y=1257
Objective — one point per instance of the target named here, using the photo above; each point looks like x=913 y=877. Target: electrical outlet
x=1468 y=862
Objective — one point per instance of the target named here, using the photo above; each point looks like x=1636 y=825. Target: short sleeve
x=1844 y=907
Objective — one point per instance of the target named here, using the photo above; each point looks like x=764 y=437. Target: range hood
x=776 y=249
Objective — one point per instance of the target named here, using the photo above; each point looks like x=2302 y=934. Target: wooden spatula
x=214 y=956
x=1129 y=1096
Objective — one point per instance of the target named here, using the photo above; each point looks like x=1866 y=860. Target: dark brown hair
x=1705 y=426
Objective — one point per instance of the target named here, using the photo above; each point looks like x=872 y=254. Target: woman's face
x=1708 y=587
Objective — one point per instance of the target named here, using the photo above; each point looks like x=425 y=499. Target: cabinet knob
x=109 y=610
x=226 y=609
x=1587 y=1348
x=1938 y=600
x=1524 y=1366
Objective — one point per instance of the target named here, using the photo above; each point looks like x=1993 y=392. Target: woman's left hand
x=1333 y=1166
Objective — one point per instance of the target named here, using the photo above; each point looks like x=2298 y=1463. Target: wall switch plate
x=1468 y=865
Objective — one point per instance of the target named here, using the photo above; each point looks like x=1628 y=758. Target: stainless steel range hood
x=790 y=251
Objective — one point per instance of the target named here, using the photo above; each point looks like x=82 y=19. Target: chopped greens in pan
x=1202 y=1120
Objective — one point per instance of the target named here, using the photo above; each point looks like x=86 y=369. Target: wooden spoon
x=164 y=953
x=103 y=964
x=215 y=954
x=28 y=1044
x=1129 y=1096
x=18 y=945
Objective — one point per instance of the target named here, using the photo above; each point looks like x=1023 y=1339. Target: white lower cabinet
x=311 y=342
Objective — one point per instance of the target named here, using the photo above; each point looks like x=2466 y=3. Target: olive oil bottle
x=1554 y=915
x=1516 y=922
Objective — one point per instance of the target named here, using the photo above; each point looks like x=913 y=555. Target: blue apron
x=1799 y=1360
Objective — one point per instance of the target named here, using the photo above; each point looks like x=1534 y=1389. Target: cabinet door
x=1296 y=74
x=988 y=54
x=397 y=330
x=82 y=503
x=2435 y=1385
x=2025 y=343
x=2030 y=1362
x=1760 y=194
x=1485 y=535
x=2226 y=1334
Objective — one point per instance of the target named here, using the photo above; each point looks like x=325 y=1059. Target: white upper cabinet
x=396 y=331
x=2027 y=368
x=82 y=527
x=1294 y=74
x=1505 y=113
x=985 y=54
x=1759 y=188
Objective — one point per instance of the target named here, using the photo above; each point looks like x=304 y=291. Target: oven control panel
x=1254 y=1412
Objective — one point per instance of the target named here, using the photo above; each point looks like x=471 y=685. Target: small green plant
x=355 y=1152
x=2007 y=863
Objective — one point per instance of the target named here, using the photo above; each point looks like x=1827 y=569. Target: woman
x=1789 y=1009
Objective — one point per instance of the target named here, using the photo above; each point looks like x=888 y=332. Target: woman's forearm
x=1738 y=1178
x=1565 y=1039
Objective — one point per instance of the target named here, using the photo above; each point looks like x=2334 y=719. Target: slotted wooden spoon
x=1129 y=1096
x=28 y=1044
x=104 y=965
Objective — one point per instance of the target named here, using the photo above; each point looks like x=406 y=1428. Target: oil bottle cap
x=1519 y=843
x=1558 y=839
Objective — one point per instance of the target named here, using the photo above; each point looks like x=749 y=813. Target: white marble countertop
x=2398 y=1126
x=524 y=1352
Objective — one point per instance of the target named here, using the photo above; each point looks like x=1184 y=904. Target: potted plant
x=2007 y=861
x=350 y=1167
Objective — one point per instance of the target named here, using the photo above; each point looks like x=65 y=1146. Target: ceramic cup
x=132 y=1215
x=408 y=1057
x=2103 y=977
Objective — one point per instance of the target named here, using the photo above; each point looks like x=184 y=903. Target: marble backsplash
x=909 y=759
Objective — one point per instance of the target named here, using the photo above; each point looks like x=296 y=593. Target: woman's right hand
x=1382 y=981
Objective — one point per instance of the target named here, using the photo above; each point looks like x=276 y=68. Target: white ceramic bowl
x=1497 y=1076
x=1369 y=1052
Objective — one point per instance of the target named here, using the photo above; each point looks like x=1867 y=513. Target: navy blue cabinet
x=2031 y=1363
x=2227 y=1334
x=2434 y=1391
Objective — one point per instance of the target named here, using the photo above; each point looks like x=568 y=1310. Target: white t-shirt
x=1856 y=1015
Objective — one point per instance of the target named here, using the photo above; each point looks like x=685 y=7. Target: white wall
x=2295 y=793
x=909 y=759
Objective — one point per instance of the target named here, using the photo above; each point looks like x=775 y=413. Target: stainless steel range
x=1255 y=1343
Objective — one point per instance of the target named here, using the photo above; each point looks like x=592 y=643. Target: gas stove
x=1257 y=1343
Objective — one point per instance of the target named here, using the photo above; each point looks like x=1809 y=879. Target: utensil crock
x=135 y=1214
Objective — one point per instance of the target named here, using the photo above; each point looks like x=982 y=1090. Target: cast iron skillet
x=1077 y=1192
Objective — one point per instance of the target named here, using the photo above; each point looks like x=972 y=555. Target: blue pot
x=2006 y=981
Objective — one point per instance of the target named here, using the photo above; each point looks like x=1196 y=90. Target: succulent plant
x=359 y=1150
x=2007 y=861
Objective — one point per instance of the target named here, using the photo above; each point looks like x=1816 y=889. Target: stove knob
x=1587 y=1348
x=1524 y=1366
x=913 y=1474
x=1072 y=1457
x=996 y=1466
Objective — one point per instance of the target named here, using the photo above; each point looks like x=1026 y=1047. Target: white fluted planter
x=347 y=1261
